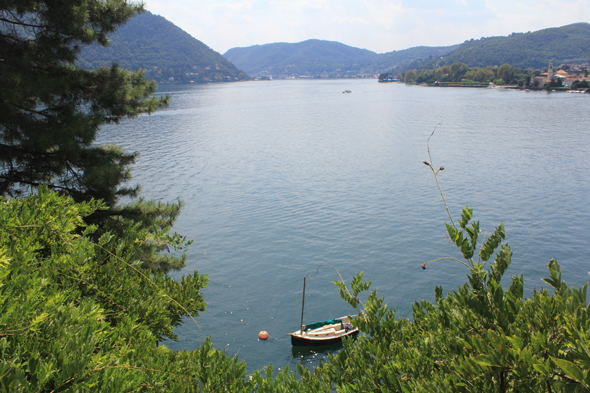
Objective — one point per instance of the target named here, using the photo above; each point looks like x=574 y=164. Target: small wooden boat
x=328 y=332
x=323 y=332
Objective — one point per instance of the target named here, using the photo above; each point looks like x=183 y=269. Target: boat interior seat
x=321 y=332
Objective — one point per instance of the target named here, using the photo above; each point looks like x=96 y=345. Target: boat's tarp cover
x=317 y=325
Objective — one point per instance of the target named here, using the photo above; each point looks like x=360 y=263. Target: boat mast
x=302 y=305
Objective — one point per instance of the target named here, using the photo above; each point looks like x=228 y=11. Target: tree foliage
x=52 y=109
x=459 y=73
x=480 y=74
x=505 y=72
x=580 y=85
x=79 y=315
x=480 y=337
x=84 y=316
x=410 y=76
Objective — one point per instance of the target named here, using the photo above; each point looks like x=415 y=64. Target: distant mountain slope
x=311 y=57
x=389 y=60
x=150 y=41
x=566 y=44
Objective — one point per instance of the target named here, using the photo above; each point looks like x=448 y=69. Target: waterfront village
x=567 y=77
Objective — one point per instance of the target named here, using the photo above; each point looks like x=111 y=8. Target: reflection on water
x=311 y=356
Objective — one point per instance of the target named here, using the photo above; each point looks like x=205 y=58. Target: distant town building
x=567 y=78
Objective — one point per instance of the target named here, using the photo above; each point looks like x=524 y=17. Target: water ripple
x=280 y=177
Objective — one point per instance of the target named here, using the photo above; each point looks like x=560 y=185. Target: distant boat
x=326 y=332
x=347 y=91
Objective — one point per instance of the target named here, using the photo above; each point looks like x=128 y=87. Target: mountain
x=313 y=58
x=390 y=60
x=566 y=44
x=150 y=41
x=166 y=51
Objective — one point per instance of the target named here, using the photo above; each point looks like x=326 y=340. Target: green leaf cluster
x=481 y=337
x=77 y=315
x=82 y=316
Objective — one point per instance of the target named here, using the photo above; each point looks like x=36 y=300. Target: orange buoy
x=263 y=335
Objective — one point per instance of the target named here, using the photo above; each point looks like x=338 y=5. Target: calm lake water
x=281 y=177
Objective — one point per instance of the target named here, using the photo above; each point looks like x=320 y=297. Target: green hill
x=390 y=60
x=565 y=44
x=150 y=41
x=568 y=44
x=166 y=51
x=311 y=58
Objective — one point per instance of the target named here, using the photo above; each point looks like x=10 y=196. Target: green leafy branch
x=466 y=236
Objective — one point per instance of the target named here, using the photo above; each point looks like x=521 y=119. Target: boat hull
x=299 y=341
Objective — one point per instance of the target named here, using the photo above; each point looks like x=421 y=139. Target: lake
x=280 y=177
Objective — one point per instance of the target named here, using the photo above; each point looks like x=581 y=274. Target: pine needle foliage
x=52 y=110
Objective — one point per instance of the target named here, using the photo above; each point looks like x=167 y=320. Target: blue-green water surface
x=280 y=177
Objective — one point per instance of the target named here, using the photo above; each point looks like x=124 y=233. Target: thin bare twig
x=435 y=172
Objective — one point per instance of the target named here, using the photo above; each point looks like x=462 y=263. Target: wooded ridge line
x=169 y=54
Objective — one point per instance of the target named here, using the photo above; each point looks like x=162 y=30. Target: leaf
x=570 y=369
x=542 y=369
x=485 y=360
x=38 y=320
x=4 y=271
x=452 y=232
x=492 y=243
x=516 y=342
x=555 y=272
x=466 y=215
x=501 y=263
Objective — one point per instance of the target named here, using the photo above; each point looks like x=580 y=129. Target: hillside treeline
x=166 y=52
x=460 y=74
x=314 y=58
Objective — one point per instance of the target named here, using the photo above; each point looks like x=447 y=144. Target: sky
x=378 y=25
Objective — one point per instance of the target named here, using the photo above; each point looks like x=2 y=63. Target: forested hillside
x=567 y=44
x=150 y=41
x=390 y=60
x=310 y=58
x=314 y=58
x=165 y=51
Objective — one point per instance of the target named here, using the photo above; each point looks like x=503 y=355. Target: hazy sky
x=377 y=25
